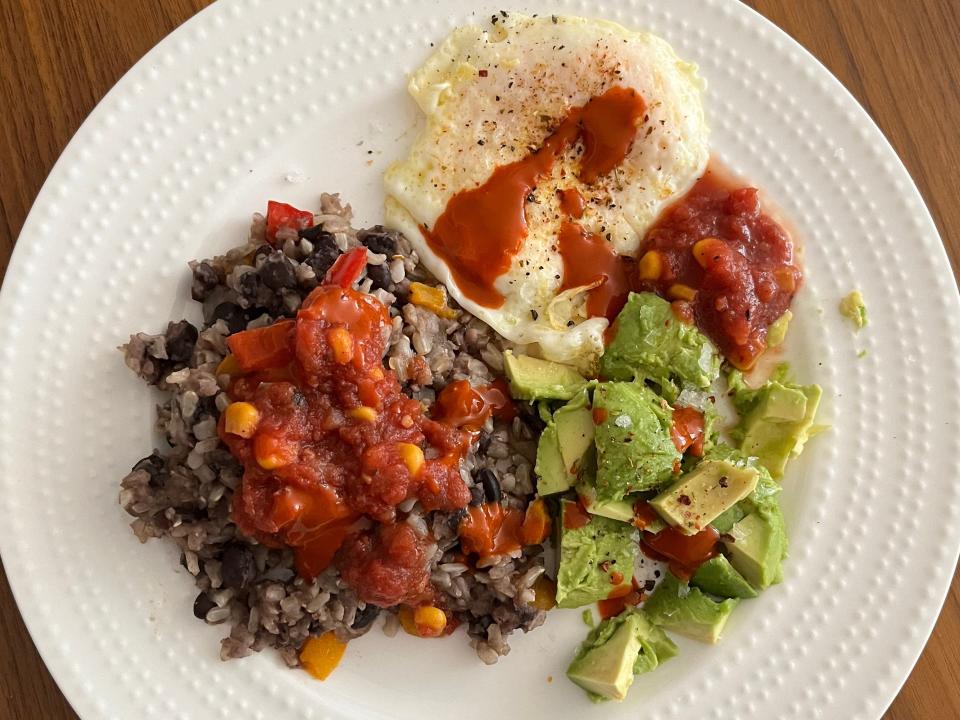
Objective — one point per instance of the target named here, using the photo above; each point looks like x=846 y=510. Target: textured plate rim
x=13 y=280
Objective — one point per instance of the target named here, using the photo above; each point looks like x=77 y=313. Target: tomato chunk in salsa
x=738 y=262
x=337 y=444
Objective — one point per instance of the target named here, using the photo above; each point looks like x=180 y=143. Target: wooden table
x=900 y=58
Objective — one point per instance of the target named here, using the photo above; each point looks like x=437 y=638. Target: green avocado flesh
x=698 y=497
x=687 y=611
x=615 y=652
x=650 y=343
x=634 y=448
x=534 y=379
x=596 y=559
x=717 y=577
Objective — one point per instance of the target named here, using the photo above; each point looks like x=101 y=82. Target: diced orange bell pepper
x=321 y=655
x=263 y=348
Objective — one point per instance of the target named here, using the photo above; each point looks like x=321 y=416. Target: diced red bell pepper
x=263 y=348
x=280 y=215
x=347 y=268
x=687 y=430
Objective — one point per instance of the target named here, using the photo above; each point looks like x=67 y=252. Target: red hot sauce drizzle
x=684 y=553
x=483 y=228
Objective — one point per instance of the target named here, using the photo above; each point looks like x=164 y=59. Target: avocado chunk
x=535 y=379
x=717 y=577
x=650 y=343
x=687 y=611
x=552 y=475
x=622 y=510
x=596 y=558
x=776 y=419
x=758 y=546
x=635 y=451
x=777 y=332
x=697 y=498
x=615 y=652
x=575 y=431
x=854 y=309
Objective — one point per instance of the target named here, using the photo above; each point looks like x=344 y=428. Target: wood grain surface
x=900 y=58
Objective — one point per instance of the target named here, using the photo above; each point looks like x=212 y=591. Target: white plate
x=209 y=125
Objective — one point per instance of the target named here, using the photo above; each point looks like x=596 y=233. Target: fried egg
x=491 y=98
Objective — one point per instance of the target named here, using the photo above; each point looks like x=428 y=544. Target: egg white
x=490 y=97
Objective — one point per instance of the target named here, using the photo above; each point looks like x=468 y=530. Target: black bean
x=181 y=338
x=379 y=240
x=380 y=276
x=317 y=234
x=205 y=279
x=277 y=271
x=476 y=495
x=261 y=250
x=250 y=285
x=456 y=517
x=238 y=567
x=322 y=257
x=202 y=605
x=491 y=485
x=232 y=314
x=526 y=616
x=365 y=616
x=155 y=466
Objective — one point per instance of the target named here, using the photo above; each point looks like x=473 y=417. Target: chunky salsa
x=329 y=442
x=726 y=263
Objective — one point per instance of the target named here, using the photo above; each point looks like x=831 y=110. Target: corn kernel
x=376 y=373
x=650 y=266
x=229 y=366
x=431 y=298
x=270 y=452
x=321 y=655
x=430 y=621
x=682 y=292
x=412 y=457
x=241 y=419
x=341 y=345
x=706 y=249
x=405 y=616
x=363 y=413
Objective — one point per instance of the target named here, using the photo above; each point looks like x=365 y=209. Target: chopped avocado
x=717 y=577
x=605 y=669
x=854 y=309
x=763 y=495
x=726 y=520
x=634 y=448
x=534 y=379
x=777 y=332
x=758 y=546
x=592 y=557
x=575 y=430
x=697 y=498
x=615 y=651
x=621 y=510
x=650 y=343
x=776 y=420
x=552 y=475
x=687 y=611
